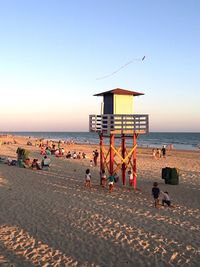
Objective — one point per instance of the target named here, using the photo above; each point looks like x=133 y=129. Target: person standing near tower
x=96 y=155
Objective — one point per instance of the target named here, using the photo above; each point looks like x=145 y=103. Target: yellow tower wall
x=123 y=104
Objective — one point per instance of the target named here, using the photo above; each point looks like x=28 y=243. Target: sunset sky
x=53 y=52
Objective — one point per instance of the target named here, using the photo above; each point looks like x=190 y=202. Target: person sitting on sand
x=88 y=178
x=69 y=155
x=60 y=152
x=35 y=164
x=165 y=198
x=45 y=162
x=48 y=151
x=74 y=155
x=42 y=152
x=9 y=160
x=79 y=155
x=57 y=153
x=84 y=155
x=63 y=151
x=156 y=193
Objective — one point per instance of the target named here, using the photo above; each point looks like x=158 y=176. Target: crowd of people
x=33 y=164
x=106 y=180
x=50 y=148
x=110 y=179
x=74 y=155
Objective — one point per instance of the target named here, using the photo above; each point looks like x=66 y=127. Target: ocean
x=183 y=141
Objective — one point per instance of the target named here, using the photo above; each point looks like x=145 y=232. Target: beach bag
x=170 y=175
x=166 y=172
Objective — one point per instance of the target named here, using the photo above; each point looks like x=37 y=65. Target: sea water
x=186 y=141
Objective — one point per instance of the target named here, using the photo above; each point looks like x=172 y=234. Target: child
x=35 y=164
x=91 y=163
x=79 y=155
x=45 y=163
x=87 y=178
x=158 y=153
x=156 y=193
x=83 y=155
x=130 y=177
x=74 y=155
x=103 y=178
x=111 y=180
x=165 y=198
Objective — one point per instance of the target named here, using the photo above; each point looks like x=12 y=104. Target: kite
x=123 y=66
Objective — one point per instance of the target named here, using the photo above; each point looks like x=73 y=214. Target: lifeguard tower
x=118 y=121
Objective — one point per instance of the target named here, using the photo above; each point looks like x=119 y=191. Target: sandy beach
x=48 y=218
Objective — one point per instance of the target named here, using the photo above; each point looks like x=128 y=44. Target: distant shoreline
x=179 y=141
x=91 y=142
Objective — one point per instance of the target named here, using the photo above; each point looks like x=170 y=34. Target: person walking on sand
x=88 y=178
x=155 y=194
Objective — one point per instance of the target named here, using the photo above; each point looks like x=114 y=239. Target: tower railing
x=119 y=123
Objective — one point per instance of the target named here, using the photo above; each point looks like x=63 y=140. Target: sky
x=53 y=52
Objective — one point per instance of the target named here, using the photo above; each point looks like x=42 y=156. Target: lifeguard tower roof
x=117 y=114
x=119 y=91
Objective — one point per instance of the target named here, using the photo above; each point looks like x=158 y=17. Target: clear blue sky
x=51 y=53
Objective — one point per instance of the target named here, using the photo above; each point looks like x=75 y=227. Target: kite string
x=123 y=66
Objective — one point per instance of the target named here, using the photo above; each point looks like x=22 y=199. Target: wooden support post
x=112 y=144
x=134 y=162
x=101 y=156
x=123 y=156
